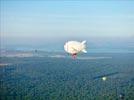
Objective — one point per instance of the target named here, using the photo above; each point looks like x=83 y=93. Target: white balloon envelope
x=75 y=47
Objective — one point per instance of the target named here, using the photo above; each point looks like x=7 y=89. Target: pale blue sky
x=26 y=21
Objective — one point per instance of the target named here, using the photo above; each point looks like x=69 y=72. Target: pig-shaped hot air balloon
x=75 y=47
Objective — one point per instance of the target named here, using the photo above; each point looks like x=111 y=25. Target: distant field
x=57 y=76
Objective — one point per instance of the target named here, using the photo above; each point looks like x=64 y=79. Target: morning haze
x=66 y=50
x=32 y=24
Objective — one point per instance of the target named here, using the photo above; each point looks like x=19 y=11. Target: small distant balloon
x=75 y=47
x=104 y=78
x=122 y=96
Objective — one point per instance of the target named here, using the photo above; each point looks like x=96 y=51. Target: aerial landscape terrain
x=66 y=49
x=56 y=76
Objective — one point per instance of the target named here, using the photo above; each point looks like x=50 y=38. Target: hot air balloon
x=75 y=47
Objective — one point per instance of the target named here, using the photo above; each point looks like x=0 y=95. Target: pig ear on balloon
x=83 y=42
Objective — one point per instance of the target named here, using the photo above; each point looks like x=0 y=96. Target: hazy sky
x=26 y=21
